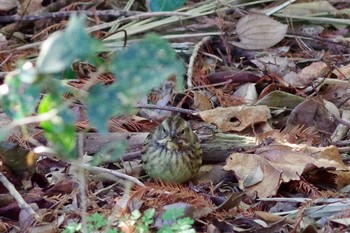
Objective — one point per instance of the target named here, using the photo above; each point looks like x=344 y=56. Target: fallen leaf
x=259 y=32
x=282 y=163
x=312 y=72
x=309 y=8
x=254 y=178
x=280 y=99
x=342 y=72
x=274 y=64
x=236 y=118
x=245 y=165
x=201 y=102
x=247 y=92
x=211 y=173
x=6 y=5
x=28 y=7
x=313 y=113
x=232 y=201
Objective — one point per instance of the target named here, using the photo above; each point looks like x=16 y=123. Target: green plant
x=138 y=222
x=95 y=223
x=138 y=69
x=179 y=224
x=34 y=93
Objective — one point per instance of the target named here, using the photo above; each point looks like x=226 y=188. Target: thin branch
x=29 y=120
x=82 y=184
x=117 y=174
x=167 y=108
x=131 y=156
x=21 y=202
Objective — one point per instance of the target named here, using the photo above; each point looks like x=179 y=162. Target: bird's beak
x=172 y=134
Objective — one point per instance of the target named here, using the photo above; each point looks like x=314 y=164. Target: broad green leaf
x=62 y=48
x=100 y=105
x=110 y=153
x=144 y=66
x=138 y=69
x=60 y=130
x=20 y=93
x=165 y=5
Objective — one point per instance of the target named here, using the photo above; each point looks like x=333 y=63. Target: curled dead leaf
x=313 y=112
x=264 y=171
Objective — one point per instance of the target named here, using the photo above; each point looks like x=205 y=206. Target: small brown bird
x=171 y=152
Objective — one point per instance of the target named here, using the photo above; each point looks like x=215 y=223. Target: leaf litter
x=277 y=81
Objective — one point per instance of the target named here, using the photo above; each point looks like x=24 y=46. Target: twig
x=131 y=156
x=167 y=108
x=341 y=143
x=9 y=29
x=82 y=184
x=210 y=85
x=107 y=13
x=21 y=202
x=111 y=172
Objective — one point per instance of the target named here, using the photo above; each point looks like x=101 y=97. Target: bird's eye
x=182 y=131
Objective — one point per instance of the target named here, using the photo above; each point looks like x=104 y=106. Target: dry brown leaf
x=274 y=64
x=282 y=163
x=270 y=217
x=201 y=102
x=210 y=173
x=3 y=41
x=342 y=72
x=29 y=7
x=236 y=118
x=244 y=165
x=259 y=32
x=247 y=92
x=313 y=113
x=307 y=8
x=313 y=71
x=6 y=5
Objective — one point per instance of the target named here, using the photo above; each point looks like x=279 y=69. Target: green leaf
x=97 y=220
x=165 y=5
x=60 y=130
x=138 y=69
x=111 y=231
x=144 y=66
x=72 y=228
x=62 y=48
x=102 y=104
x=135 y=215
x=20 y=93
x=148 y=215
x=110 y=153
x=183 y=225
x=173 y=214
